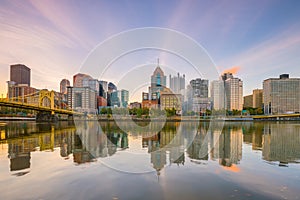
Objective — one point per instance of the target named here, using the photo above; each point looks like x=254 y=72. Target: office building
x=281 y=95
x=177 y=83
x=169 y=100
x=63 y=86
x=198 y=95
x=148 y=102
x=257 y=98
x=19 y=92
x=233 y=92
x=103 y=89
x=20 y=74
x=78 y=79
x=158 y=82
x=199 y=88
x=82 y=99
x=119 y=98
x=91 y=83
x=248 y=101
x=217 y=94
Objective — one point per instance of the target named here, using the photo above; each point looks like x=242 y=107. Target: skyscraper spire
x=157 y=61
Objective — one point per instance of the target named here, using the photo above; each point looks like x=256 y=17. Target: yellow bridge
x=43 y=101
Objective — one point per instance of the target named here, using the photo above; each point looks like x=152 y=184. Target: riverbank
x=168 y=119
x=17 y=119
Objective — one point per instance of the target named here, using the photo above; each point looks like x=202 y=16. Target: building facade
x=281 y=95
x=103 y=89
x=20 y=74
x=233 y=92
x=78 y=79
x=169 y=100
x=91 y=83
x=248 y=101
x=177 y=83
x=63 y=86
x=158 y=82
x=257 y=98
x=217 y=94
x=199 y=88
x=82 y=99
x=119 y=98
x=20 y=92
x=198 y=95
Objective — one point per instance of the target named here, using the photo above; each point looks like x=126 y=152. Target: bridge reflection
x=277 y=142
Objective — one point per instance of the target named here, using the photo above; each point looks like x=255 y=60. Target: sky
x=260 y=38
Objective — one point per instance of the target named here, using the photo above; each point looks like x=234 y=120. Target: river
x=91 y=160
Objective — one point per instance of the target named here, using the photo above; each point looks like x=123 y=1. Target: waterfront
x=88 y=160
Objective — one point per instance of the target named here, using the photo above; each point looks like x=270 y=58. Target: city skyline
x=261 y=39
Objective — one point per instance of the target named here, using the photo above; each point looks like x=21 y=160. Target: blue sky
x=54 y=37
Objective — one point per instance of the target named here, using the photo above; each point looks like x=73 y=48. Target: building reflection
x=278 y=142
x=198 y=150
x=227 y=145
x=165 y=143
x=281 y=142
x=24 y=138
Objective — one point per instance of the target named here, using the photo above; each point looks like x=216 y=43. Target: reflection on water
x=279 y=142
x=182 y=161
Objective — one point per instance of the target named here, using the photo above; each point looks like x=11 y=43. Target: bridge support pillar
x=46 y=117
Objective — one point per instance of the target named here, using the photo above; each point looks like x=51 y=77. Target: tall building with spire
x=158 y=82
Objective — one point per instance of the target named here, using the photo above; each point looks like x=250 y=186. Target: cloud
x=232 y=70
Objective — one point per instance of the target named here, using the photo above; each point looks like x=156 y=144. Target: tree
x=103 y=111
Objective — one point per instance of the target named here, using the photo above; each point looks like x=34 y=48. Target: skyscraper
x=103 y=88
x=217 y=94
x=91 y=83
x=281 y=95
x=199 y=87
x=199 y=95
x=257 y=98
x=82 y=99
x=177 y=83
x=63 y=86
x=158 y=82
x=248 y=101
x=233 y=92
x=20 y=74
x=78 y=79
x=119 y=98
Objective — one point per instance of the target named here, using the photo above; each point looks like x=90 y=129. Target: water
x=101 y=161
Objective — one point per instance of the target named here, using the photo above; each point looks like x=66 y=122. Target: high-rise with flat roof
x=177 y=83
x=257 y=98
x=119 y=98
x=281 y=95
x=233 y=92
x=82 y=99
x=248 y=101
x=20 y=74
x=217 y=94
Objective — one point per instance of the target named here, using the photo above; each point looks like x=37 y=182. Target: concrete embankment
x=17 y=118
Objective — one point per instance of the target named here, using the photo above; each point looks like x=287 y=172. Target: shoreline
x=170 y=119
